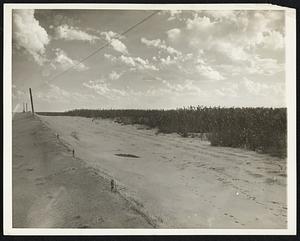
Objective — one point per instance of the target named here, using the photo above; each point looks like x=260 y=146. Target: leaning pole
x=31 y=101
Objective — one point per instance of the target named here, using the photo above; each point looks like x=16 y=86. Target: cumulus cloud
x=160 y=44
x=208 y=72
x=255 y=88
x=242 y=42
x=187 y=86
x=198 y=23
x=263 y=66
x=67 y=32
x=104 y=89
x=173 y=34
x=133 y=62
x=174 y=14
x=260 y=28
x=114 y=40
x=273 y=40
x=29 y=35
x=114 y=75
x=168 y=60
x=231 y=91
x=109 y=35
x=63 y=61
x=222 y=14
x=119 y=46
x=232 y=51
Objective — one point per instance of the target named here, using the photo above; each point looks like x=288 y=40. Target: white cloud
x=199 y=23
x=114 y=75
x=29 y=35
x=168 y=60
x=174 y=14
x=255 y=88
x=264 y=66
x=232 y=51
x=71 y=33
x=133 y=62
x=109 y=35
x=173 y=34
x=260 y=28
x=206 y=71
x=209 y=73
x=64 y=62
x=228 y=91
x=273 y=40
x=110 y=57
x=222 y=14
x=128 y=60
x=160 y=44
x=187 y=87
x=119 y=46
x=114 y=40
x=104 y=89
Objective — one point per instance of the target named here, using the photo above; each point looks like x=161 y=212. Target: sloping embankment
x=51 y=189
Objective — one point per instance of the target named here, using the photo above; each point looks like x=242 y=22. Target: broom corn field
x=259 y=129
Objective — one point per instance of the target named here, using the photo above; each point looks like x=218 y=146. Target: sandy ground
x=53 y=189
x=181 y=182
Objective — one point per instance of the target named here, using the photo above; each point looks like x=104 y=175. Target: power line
x=105 y=45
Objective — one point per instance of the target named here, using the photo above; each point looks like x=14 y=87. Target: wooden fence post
x=31 y=101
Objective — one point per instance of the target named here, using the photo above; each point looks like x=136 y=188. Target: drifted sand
x=51 y=189
x=175 y=182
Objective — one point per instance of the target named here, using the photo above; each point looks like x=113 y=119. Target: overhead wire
x=105 y=45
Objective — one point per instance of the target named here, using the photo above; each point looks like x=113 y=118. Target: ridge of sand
x=51 y=189
x=182 y=182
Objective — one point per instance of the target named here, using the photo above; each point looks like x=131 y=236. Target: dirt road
x=53 y=190
x=181 y=182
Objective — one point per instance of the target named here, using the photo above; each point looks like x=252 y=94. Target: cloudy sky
x=174 y=59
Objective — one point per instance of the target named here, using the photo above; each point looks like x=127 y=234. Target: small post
x=73 y=152
x=23 y=108
x=26 y=108
x=113 y=186
x=31 y=101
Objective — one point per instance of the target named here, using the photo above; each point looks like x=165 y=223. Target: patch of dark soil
x=127 y=155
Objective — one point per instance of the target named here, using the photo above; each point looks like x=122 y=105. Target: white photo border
x=290 y=44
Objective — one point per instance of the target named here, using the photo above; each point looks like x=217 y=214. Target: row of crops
x=259 y=129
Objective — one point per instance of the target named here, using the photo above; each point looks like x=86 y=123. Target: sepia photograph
x=149 y=119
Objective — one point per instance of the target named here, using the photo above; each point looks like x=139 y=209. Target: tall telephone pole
x=31 y=101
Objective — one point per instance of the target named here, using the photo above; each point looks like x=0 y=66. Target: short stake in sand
x=73 y=152
x=112 y=185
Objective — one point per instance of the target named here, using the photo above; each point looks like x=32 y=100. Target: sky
x=171 y=60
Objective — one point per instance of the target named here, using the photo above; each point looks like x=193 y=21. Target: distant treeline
x=259 y=129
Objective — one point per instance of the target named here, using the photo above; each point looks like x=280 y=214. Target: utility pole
x=31 y=101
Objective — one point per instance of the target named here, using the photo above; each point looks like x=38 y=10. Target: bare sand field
x=51 y=189
x=177 y=182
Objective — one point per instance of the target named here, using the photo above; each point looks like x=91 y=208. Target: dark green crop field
x=259 y=129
